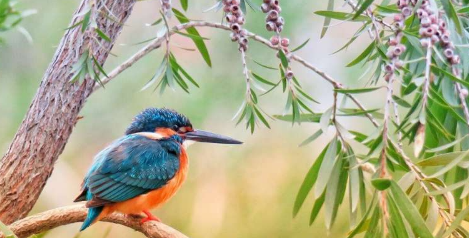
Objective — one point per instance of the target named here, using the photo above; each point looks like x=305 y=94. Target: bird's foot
x=150 y=217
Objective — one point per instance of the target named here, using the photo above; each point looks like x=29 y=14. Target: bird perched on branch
x=144 y=168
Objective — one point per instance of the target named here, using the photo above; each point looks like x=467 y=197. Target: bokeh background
x=231 y=191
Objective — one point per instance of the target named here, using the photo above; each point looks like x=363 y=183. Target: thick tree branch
x=44 y=132
x=77 y=213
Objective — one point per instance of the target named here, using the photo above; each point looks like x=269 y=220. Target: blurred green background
x=231 y=191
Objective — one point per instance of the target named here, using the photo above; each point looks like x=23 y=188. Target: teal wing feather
x=131 y=166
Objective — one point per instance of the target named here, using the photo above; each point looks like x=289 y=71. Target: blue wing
x=131 y=166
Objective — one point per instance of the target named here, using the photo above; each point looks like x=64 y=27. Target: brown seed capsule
x=389 y=68
x=448 y=53
x=266 y=1
x=398 y=24
x=270 y=26
x=274 y=40
x=235 y=27
x=285 y=42
x=425 y=42
x=393 y=41
x=421 y=13
x=406 y=11
x=464 y=92
x=398 y=17
x=289 y=74
x=399 y=64
x=429 y=32
x=235 y=2
x=280 y=21
x=240 y=20
x=234 y=9
x=243 y=32
x=234 y=37
x=230 y=18
x=265 y=8
x=272 y=15
x=455 y=59
x=425 y=21
x=397 y=51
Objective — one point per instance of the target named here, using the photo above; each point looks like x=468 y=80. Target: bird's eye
x=175 y=128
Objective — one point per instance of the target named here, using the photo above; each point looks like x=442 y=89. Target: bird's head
x=159 y=123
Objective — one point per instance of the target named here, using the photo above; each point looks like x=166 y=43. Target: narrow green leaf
x=259 y=114
x=452 y=14
x=303 y=117
x=447 y=146
x=283 y=58
x=398 y=226
x=342 y=16
x=401 y=102
x=327 y=20
x=184 y=4
x=261 y=79
x=311 y=138
x=410 y=212
x=356 y=90
x=193 y=37
x=363 y=7
x=302 y=44
x=308 y=182
x=325 y=170
x=103 y=35
x=457 y=221
x=450 y=165
x=363 y=55
x=449 y=75
x=325 y=119
x=198 y=42
x=86 y=21
x=316 y=208
x=380 y=183
x=265 y=66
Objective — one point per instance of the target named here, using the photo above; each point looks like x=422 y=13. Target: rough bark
x=66 y=215
x=44 y=132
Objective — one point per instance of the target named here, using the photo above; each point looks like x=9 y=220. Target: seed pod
x=234 y=9
x=266 y=1
x=393 y=41
x=398 y=17
x=285 y=42
x=226 y=8
x=442 y=25
x=243 y=32
x=274 y=40
x=235 y=2
x=429 y=32
x=435 y=39
x=272 y=15
x=230 y=18
x=265 y=8
x=280 y=21
x=243 y=40
x=234 y=37
x=279 y=28
x=274 y=3
x=425 y=42
x=289 y=74
x=455 y=59
x=421 y=13
x=399 y=64
x=235 y=27
x=448 y=53
x=243 y=48
x=390 y=53
x=389 y=68
x=464 y=92
x=270 y=26
x=433 y=19
x=406 y=11
x=397 y=51
x=240 y=20
x=398 y=24
x=445 y=38
x=425 y=21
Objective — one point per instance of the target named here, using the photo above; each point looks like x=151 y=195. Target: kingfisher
x=144 y=168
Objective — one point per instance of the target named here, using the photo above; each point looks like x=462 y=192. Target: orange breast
x=154 y=198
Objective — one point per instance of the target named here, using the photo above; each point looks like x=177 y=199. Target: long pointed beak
x=205 y=136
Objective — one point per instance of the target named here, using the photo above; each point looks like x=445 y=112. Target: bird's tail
x=93 y=213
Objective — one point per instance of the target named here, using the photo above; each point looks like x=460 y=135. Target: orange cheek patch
x=165 y=132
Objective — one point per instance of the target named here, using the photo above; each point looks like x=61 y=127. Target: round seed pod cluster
x=395 y=48
x=234 y=17
x=273 y=21
x=445 y=41
x=166 y=6
x=429 y=25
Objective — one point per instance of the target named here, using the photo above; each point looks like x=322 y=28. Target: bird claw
x=150 y=217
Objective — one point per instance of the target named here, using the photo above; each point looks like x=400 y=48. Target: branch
x=51 y=219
